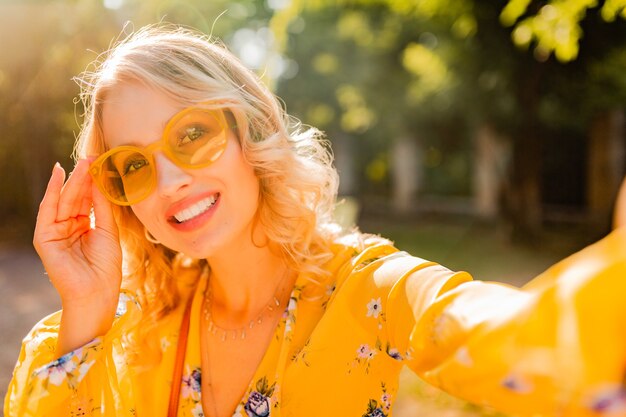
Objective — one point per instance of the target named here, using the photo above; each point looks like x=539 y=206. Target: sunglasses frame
x=96 y=171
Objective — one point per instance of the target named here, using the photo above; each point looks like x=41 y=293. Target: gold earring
x=149 y=237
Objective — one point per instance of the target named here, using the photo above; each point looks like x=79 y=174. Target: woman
x=241 y=297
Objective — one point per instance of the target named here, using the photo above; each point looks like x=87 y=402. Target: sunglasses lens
x=126 y=175
x=194 y=138
x=198 y=137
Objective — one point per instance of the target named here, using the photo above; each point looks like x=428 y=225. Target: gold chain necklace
x=241 y=332
x=232 y=334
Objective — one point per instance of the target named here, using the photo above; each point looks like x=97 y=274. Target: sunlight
x=113 y=4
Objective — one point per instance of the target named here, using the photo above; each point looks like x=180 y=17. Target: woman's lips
x=195 y=209
x=194 y=213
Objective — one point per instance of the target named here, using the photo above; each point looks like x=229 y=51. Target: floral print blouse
x=556 y=347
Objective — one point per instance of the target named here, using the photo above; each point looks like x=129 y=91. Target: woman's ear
x=231 y=122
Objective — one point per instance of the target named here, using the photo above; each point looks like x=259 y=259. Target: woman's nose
x=170 y=177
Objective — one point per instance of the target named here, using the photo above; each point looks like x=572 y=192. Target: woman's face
x=199 y=212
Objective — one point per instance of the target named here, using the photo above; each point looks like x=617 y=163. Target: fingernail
x=57 y=165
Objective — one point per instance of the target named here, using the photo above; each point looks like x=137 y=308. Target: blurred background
x=489 y=136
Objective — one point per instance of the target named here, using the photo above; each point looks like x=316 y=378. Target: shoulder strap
x=172 y=410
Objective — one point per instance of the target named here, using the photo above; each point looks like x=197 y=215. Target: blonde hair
x=293 y=164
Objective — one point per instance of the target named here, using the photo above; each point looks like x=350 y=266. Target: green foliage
x=383 y=69
x=386 y=70
x=556 y=26
x=429 y=69
x=612 y=9
x=370 y=71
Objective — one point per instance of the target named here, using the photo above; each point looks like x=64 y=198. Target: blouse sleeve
x=82 y=382
x=556 y=347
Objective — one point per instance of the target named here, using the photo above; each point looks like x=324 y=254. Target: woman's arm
x=62 y=362
x=81 y=382
x=83 y=263
x=556 y=347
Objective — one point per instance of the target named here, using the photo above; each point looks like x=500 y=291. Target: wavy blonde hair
x=293 y=163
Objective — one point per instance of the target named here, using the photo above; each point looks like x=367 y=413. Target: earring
x=149 y=237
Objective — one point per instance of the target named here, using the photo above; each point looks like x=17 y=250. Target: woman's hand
x=83 y=264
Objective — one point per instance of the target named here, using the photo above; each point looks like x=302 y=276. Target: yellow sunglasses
x=193 y=138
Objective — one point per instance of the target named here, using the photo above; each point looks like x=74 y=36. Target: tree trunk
x=347 y=208
x=606 y=167
x=344 y=152
x=406 y=174
x=491 y=156
x=525 y=191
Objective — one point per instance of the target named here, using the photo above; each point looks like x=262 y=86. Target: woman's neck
x=244 y=281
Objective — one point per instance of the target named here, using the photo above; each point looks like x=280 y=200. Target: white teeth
x=195 y=210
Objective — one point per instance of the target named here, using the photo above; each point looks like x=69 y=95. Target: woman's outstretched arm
x=556 y=347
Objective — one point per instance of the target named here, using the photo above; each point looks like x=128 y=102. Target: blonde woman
x=213 y=281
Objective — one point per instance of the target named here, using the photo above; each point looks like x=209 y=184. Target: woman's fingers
x=80 y=226
x=71 y=198
x=87 y=201
x=103 y=211
x=49 y=204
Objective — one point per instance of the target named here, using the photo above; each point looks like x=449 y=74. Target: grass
x=483 y=249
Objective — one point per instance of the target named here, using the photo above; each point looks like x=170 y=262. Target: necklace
x=240 y=333
x=230 y=334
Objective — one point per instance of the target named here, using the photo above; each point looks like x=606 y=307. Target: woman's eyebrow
x=133 y=142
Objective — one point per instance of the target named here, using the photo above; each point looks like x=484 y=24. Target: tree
x=488 y=81
x=591 y=39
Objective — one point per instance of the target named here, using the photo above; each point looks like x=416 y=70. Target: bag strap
x=172 y=410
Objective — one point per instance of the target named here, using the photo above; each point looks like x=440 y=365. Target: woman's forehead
x=135 y=114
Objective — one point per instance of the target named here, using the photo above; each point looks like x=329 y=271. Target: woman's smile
x=190 y=215
x=196 y=209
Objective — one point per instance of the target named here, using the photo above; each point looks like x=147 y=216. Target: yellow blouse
x=557 y=347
